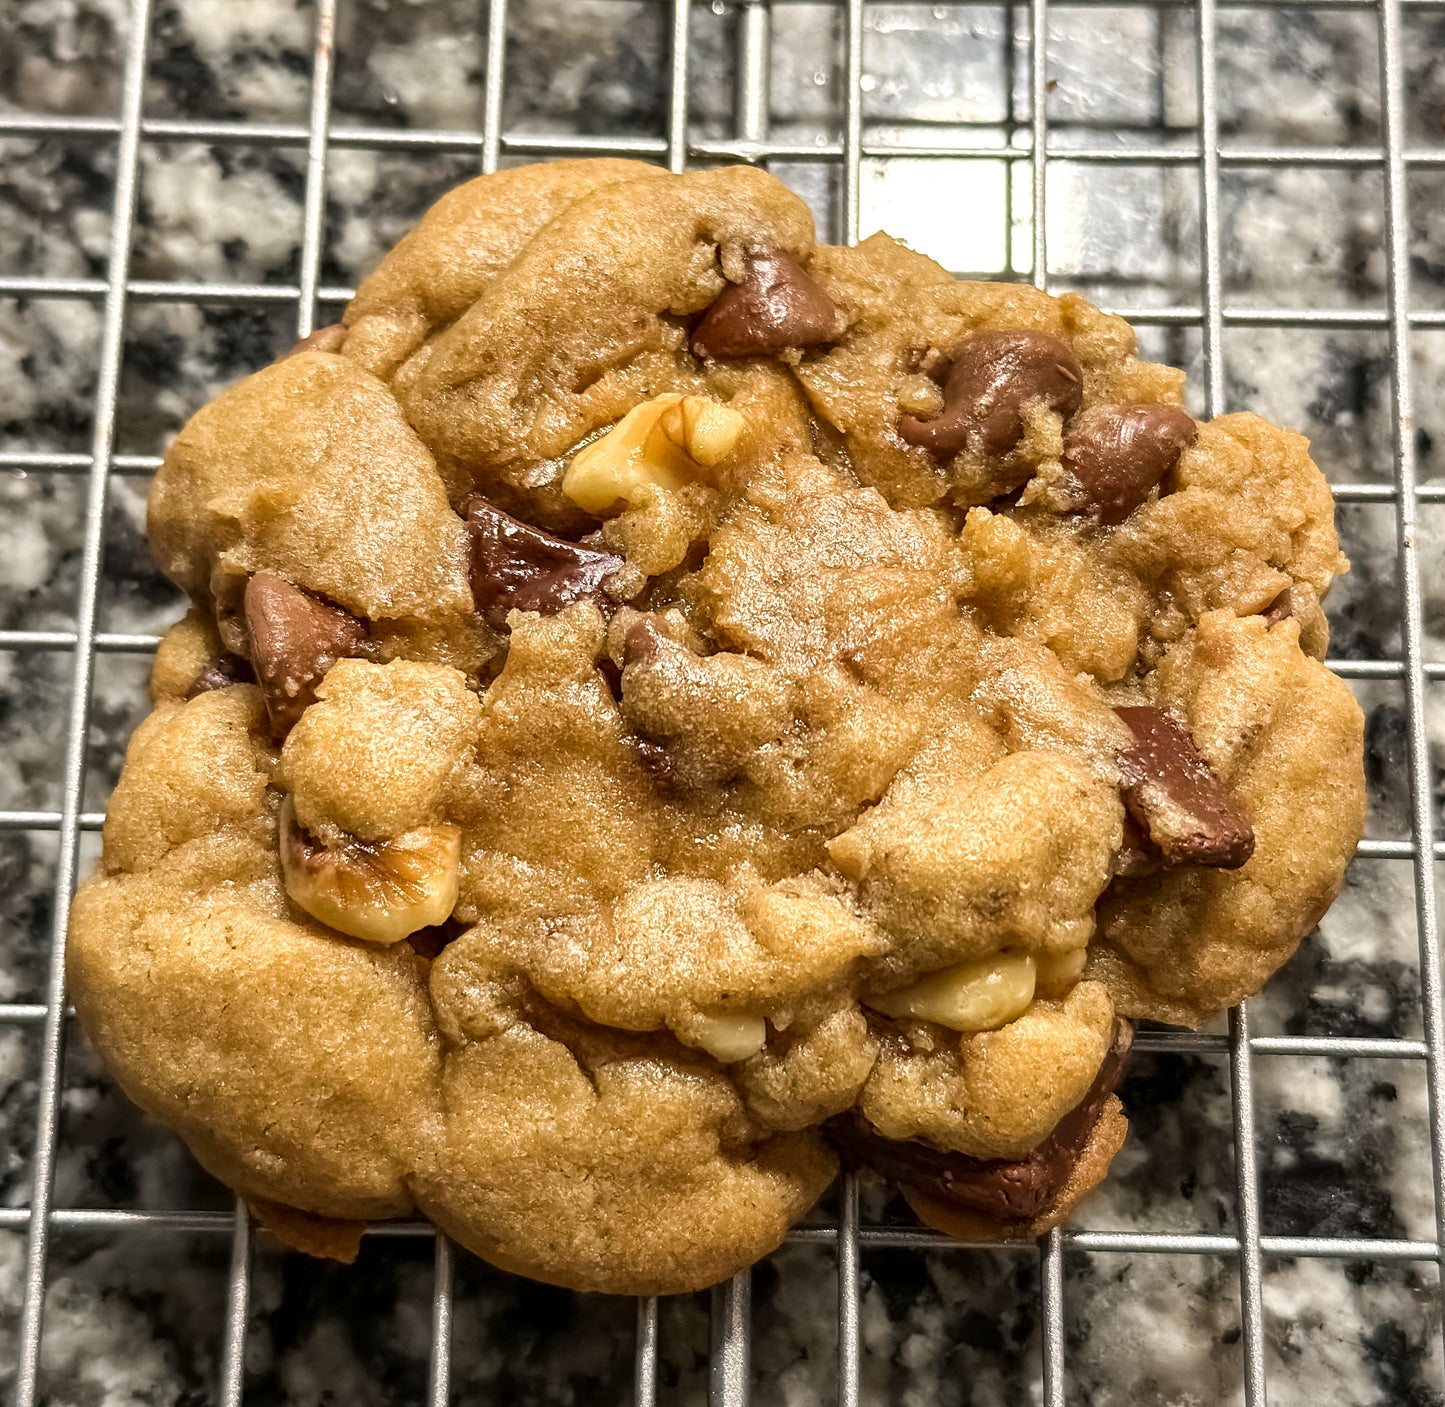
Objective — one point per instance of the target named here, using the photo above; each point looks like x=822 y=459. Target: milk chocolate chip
x=515 y=565
x=1169 y=789
x=1136 y=857
x=991 y=376
x=221 y=674
x=324 y=339
x=1116 y=454
x=1281 y=608
x=776 y=306
x=295 y=638
x=1004 y=1191
x=642 y=644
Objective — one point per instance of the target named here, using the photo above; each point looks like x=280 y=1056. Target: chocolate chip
x=429 y=942
x=1281 y=608
x=1115 y=454
x=209 y=680
x=1136 y=857
x=654 y=757
x=1006 y=1191
x=295 y=638
x=611 y=674
x=517 y=566
x=1169 y=789
x=221 y=674
x=324 y=339
x=776 y=306
x=642 y=644
x=991 y=376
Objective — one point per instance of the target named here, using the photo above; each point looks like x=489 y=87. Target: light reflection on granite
x=1342 y=1151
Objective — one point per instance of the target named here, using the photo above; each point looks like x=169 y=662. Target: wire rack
x=1030 y=158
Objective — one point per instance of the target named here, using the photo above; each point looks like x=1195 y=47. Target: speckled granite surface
x=134 y=1318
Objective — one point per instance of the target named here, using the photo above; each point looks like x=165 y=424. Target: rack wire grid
x=722 y=77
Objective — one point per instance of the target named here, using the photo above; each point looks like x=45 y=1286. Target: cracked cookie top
x=665 y=699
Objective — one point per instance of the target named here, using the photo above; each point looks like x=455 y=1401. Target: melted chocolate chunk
x=1116 y=454
x=1003 y=1190
x=1281 y=608
x=1170 y=791
x=517 y=566
x=324 y=339
x=776 y=306
x=991 y=376
x=221 y=674
x=295 y=638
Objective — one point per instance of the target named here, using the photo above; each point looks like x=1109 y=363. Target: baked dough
x=665 y=700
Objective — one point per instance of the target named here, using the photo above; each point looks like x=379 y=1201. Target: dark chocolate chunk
x=1003 y=1190
x=991 y=376
x=221 y=674
x=1115 y=454
x=295 y=638
x=517 y=566
x=1169 y=789
x=776 y=306
x=1281 y=608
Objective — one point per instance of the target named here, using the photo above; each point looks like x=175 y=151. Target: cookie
x=668 y=705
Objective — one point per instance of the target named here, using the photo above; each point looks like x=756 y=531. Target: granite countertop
x=134 y=1317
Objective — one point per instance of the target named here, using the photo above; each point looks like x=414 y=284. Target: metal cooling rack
x=731 y=1338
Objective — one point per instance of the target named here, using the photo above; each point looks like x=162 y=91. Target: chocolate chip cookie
x=668 y=705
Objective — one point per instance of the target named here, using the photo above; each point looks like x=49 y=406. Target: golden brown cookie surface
x=660 y=689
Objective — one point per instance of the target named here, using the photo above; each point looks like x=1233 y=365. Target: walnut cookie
x=668 y=703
